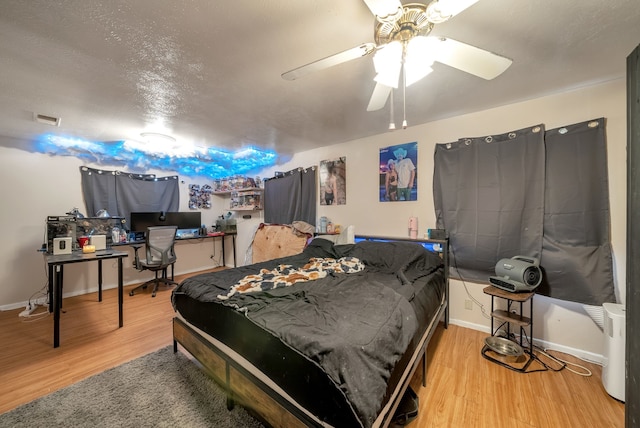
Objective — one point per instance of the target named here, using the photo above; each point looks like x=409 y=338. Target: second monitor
x=184 y=220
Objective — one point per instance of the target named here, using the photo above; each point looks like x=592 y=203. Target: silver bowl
x=504 y=346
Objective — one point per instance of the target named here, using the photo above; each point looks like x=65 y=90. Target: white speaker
x=62 y=245
x=516 y=274
x=98 y=241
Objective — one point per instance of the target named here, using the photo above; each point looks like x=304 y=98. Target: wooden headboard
x=273 y=241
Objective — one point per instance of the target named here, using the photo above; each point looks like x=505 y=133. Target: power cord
x=585 y=371
x=479 y=304
x=32 y=303
x=563 y=364
x=36 y=316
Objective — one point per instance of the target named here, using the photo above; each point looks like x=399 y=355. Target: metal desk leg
x=99 y=280
x=233 y=239
x=223 y=255
x=57 y=304
x=120 y=290
x=50 y=288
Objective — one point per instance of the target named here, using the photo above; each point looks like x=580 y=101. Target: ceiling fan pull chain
x=404 y=98
x=392 y=125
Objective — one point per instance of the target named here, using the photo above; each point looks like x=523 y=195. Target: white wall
x=36 y=185
x=563 y=325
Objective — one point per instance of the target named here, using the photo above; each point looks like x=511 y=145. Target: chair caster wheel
x=131 y=293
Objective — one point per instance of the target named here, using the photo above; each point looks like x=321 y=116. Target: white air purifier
x=613 y=368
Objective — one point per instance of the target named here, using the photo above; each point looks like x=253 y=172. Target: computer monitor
x=184 y=220
x=141 y=220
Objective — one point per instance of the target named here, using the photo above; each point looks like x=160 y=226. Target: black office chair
x=159 y=256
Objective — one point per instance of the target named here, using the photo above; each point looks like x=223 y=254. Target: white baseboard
x=22 y=305
x=470 y=325
x=579 y=353
x=583 y=355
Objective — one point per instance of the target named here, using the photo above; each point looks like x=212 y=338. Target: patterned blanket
x=287 y=275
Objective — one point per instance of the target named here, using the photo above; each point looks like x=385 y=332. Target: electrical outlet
x=468 y=304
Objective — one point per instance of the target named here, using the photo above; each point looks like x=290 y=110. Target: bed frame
x=246 y=386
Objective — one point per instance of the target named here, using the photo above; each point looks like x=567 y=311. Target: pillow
x=320 y=247
x=388 y=257
x=347 y=236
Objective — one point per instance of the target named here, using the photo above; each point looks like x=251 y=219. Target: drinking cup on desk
x=83 y=240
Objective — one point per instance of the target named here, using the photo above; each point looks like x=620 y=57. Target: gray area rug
x=161 y=389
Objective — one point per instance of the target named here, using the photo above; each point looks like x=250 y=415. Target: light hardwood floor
x=463 y=389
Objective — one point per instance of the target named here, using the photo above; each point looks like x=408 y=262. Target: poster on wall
x=333 y=184
x=199 y=197
x=398 y=173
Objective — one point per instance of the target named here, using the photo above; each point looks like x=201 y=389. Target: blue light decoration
x=191 y=161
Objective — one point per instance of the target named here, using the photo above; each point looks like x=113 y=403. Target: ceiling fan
x=403 y=47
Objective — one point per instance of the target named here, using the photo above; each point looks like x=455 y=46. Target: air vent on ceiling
x=46 y=119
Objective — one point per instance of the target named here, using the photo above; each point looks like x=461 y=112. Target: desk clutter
x=69 y=233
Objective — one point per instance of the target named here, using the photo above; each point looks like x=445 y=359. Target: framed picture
x=398 y=173
x=333 y=185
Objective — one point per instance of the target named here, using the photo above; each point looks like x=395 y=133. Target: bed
x=327 y=337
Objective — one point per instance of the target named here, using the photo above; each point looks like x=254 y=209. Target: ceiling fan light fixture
x=416 y=72
x=388 y=79
x=419 y=57
x=403 y=44
x=387 y=62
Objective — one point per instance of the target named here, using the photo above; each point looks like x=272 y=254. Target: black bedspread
x=356 y=327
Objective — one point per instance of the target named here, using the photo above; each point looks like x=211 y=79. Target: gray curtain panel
x=99 y=190
x=291 y=197
x=308 y=196
x=489 y=196
x=576 y=250
x=532 y=193
x=123 y=193
x=140 y=193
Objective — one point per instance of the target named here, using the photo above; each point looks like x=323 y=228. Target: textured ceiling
x=208 y=72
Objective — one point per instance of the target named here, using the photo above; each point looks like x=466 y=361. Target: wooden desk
x=56 y=264
x=222 y=236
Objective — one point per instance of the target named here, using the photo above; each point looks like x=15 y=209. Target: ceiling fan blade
x=470 y=59
x=384 y=9
x=379 y=97
x=344 y=56
x=442 y=10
